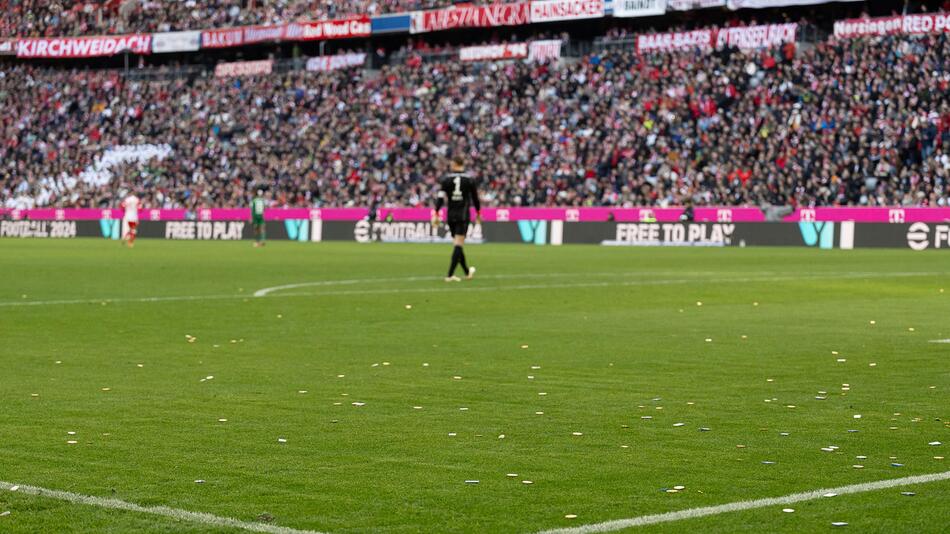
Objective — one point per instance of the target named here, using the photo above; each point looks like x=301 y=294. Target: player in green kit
x=257 y=218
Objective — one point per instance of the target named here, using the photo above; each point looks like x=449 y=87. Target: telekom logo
x=572 y=215
x=205 y=215
x=724 y=216
x=501 y=215
x=807 y=215
x=896 y=216
x=316 y=215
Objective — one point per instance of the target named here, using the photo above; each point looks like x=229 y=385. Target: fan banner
x=639 y=8
x=689 y=5
x=743 y=37
x=908 y=25
x=545 y=50
x=494 y=52
x=342 y=61
x=760 y=4
x=7 y=47
x=163 y=43
x=244 y=68
x=557 y=10
x=490 y=16
x=84 y=46
x=329 y=29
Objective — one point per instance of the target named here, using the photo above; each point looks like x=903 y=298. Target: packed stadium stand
x=862 y=121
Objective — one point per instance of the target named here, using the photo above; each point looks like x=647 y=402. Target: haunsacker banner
x=559 y=10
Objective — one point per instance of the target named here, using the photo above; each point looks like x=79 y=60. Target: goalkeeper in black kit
x=457 y=190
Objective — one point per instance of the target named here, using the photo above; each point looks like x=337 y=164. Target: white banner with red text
x=329 y=29
x=750 y=37
x=546 y=50
x=102 y=45
x=244 y=68
x=558 y=10
x=743 y=37
x=295 y=31
x=639 y=8
x=923 y=24
x=7 y=47
x=163 y=43
x=535 y=51
x=760 y=4
x=342 y=61
x=494 y=52
x=490 y=16
x=663 y=42
x=688 y=5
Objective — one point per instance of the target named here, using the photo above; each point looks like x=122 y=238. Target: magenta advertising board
x=593 y=214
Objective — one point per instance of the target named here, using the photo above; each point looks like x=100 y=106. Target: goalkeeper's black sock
x=462 y=261
x=456 y=254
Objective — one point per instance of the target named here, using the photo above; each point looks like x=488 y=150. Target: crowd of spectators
x=45 y=18
x=64 y=18
x=850 y=122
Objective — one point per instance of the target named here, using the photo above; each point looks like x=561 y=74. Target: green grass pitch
x=392 y=388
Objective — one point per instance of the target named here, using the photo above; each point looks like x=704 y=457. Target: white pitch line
x=939 y=341
x=173 y=513
x=771 y=276
x=457 y=288
x=268 y=290
x=692 y=513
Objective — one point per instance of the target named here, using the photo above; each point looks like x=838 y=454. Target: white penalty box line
x=692 y=513
x=609 y=526
x=164 y=511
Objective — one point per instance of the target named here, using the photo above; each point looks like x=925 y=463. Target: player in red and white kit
x=131 y=218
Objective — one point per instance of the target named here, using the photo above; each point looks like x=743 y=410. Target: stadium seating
x=864 y=121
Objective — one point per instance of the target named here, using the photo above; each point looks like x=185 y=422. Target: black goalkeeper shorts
x=458 y=227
